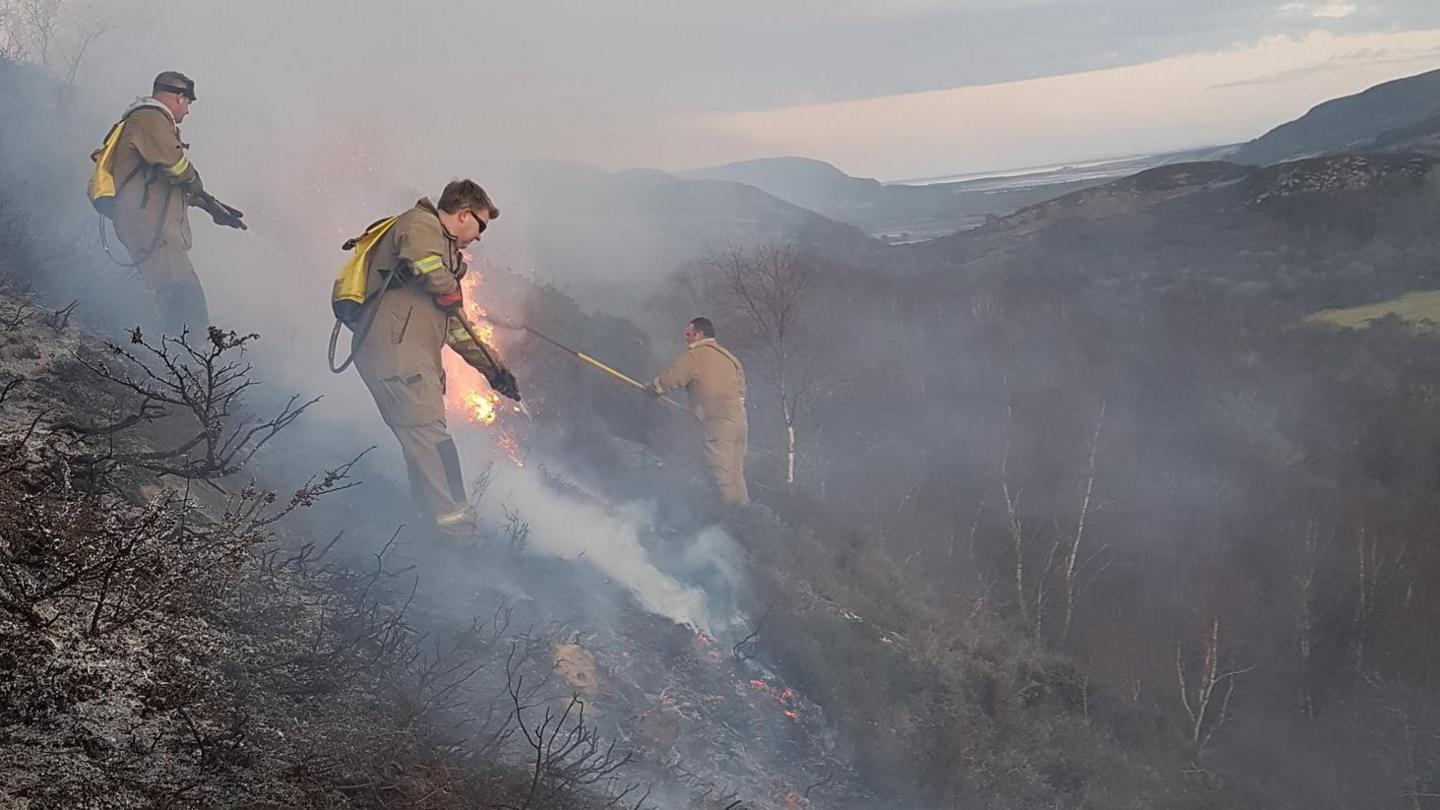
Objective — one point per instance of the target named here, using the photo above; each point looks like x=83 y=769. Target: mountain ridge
x=1353 y=122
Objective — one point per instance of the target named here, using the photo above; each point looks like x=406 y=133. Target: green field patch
x=1420 y=309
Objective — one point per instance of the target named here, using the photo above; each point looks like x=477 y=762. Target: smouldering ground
x=166 y=645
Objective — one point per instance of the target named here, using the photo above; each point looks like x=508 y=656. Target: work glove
x=223 y=214
x=452 y=302
x=504 y=383
x=229 y=217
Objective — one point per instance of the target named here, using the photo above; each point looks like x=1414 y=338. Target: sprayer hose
x=367 y=320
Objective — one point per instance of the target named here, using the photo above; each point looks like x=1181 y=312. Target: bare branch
x=206 y=382
x=1206 y=701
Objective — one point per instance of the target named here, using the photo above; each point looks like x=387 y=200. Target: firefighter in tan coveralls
x=715 y=382
x=420 y=313
x=155 y=183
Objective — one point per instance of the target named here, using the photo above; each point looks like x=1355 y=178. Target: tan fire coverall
x=715 y=382
x=154 y=180
x=399 y=358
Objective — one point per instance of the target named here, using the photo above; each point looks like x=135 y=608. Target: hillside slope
x=1351 y=122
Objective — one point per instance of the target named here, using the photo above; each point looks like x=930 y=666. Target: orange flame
x=706 y=647
x=508 y=443
x=469 y=395
x=785 y=697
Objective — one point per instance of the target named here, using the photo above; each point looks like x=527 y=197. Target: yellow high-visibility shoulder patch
x=429 y=264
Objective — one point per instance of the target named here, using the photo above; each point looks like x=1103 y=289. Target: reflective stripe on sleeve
x=178 y=167
x=429 y=264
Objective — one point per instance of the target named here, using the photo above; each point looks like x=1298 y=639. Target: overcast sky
x=897 y=89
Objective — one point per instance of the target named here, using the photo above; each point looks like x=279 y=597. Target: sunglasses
x=478 y=221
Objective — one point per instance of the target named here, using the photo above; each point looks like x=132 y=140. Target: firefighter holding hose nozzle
x=145 y=183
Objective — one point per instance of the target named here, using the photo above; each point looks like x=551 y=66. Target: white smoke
x=570 y=526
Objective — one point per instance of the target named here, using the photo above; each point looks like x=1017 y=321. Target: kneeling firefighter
x=400 y=296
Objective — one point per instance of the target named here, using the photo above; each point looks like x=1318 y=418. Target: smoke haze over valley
x=1104 y=483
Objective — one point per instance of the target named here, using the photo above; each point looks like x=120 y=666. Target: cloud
x=1365 y=58
x=619 y=84
x=1194 y=100
x=1333 y=11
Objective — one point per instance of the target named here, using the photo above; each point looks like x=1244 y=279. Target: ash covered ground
x=229 y=641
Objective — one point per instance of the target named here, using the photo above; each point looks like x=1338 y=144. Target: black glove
x=504 y=383
x=229 y=217
x=222 y=213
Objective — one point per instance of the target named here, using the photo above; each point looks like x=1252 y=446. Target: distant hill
x=1422 y=136
x=610 y=237
x=1381 y=115
x=1334 y=231
x=919 y=210
x=899 y=212
x=805 y=182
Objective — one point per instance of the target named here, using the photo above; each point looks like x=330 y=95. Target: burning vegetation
x=182 y=637
x=467 y=394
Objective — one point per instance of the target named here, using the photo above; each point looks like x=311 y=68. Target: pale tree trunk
x=1305 y=632
x=1073 y=563
x=1013 y=523
x=789 y=445
x=1206 y=701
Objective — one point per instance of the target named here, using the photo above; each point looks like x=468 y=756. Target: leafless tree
x=1305 y=618
x=1016 y=532
x=1405 y=729
x=1075 y=560
x=54 y=33
x=203 y=382
x=1205 y=695
x=15 y=39
x=125 y=564
x=565 y=751
x=10 y=42
x=765 y=300
x=1378 y=575
x=517 y=531
x=1068 y=564
x=42 y=19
